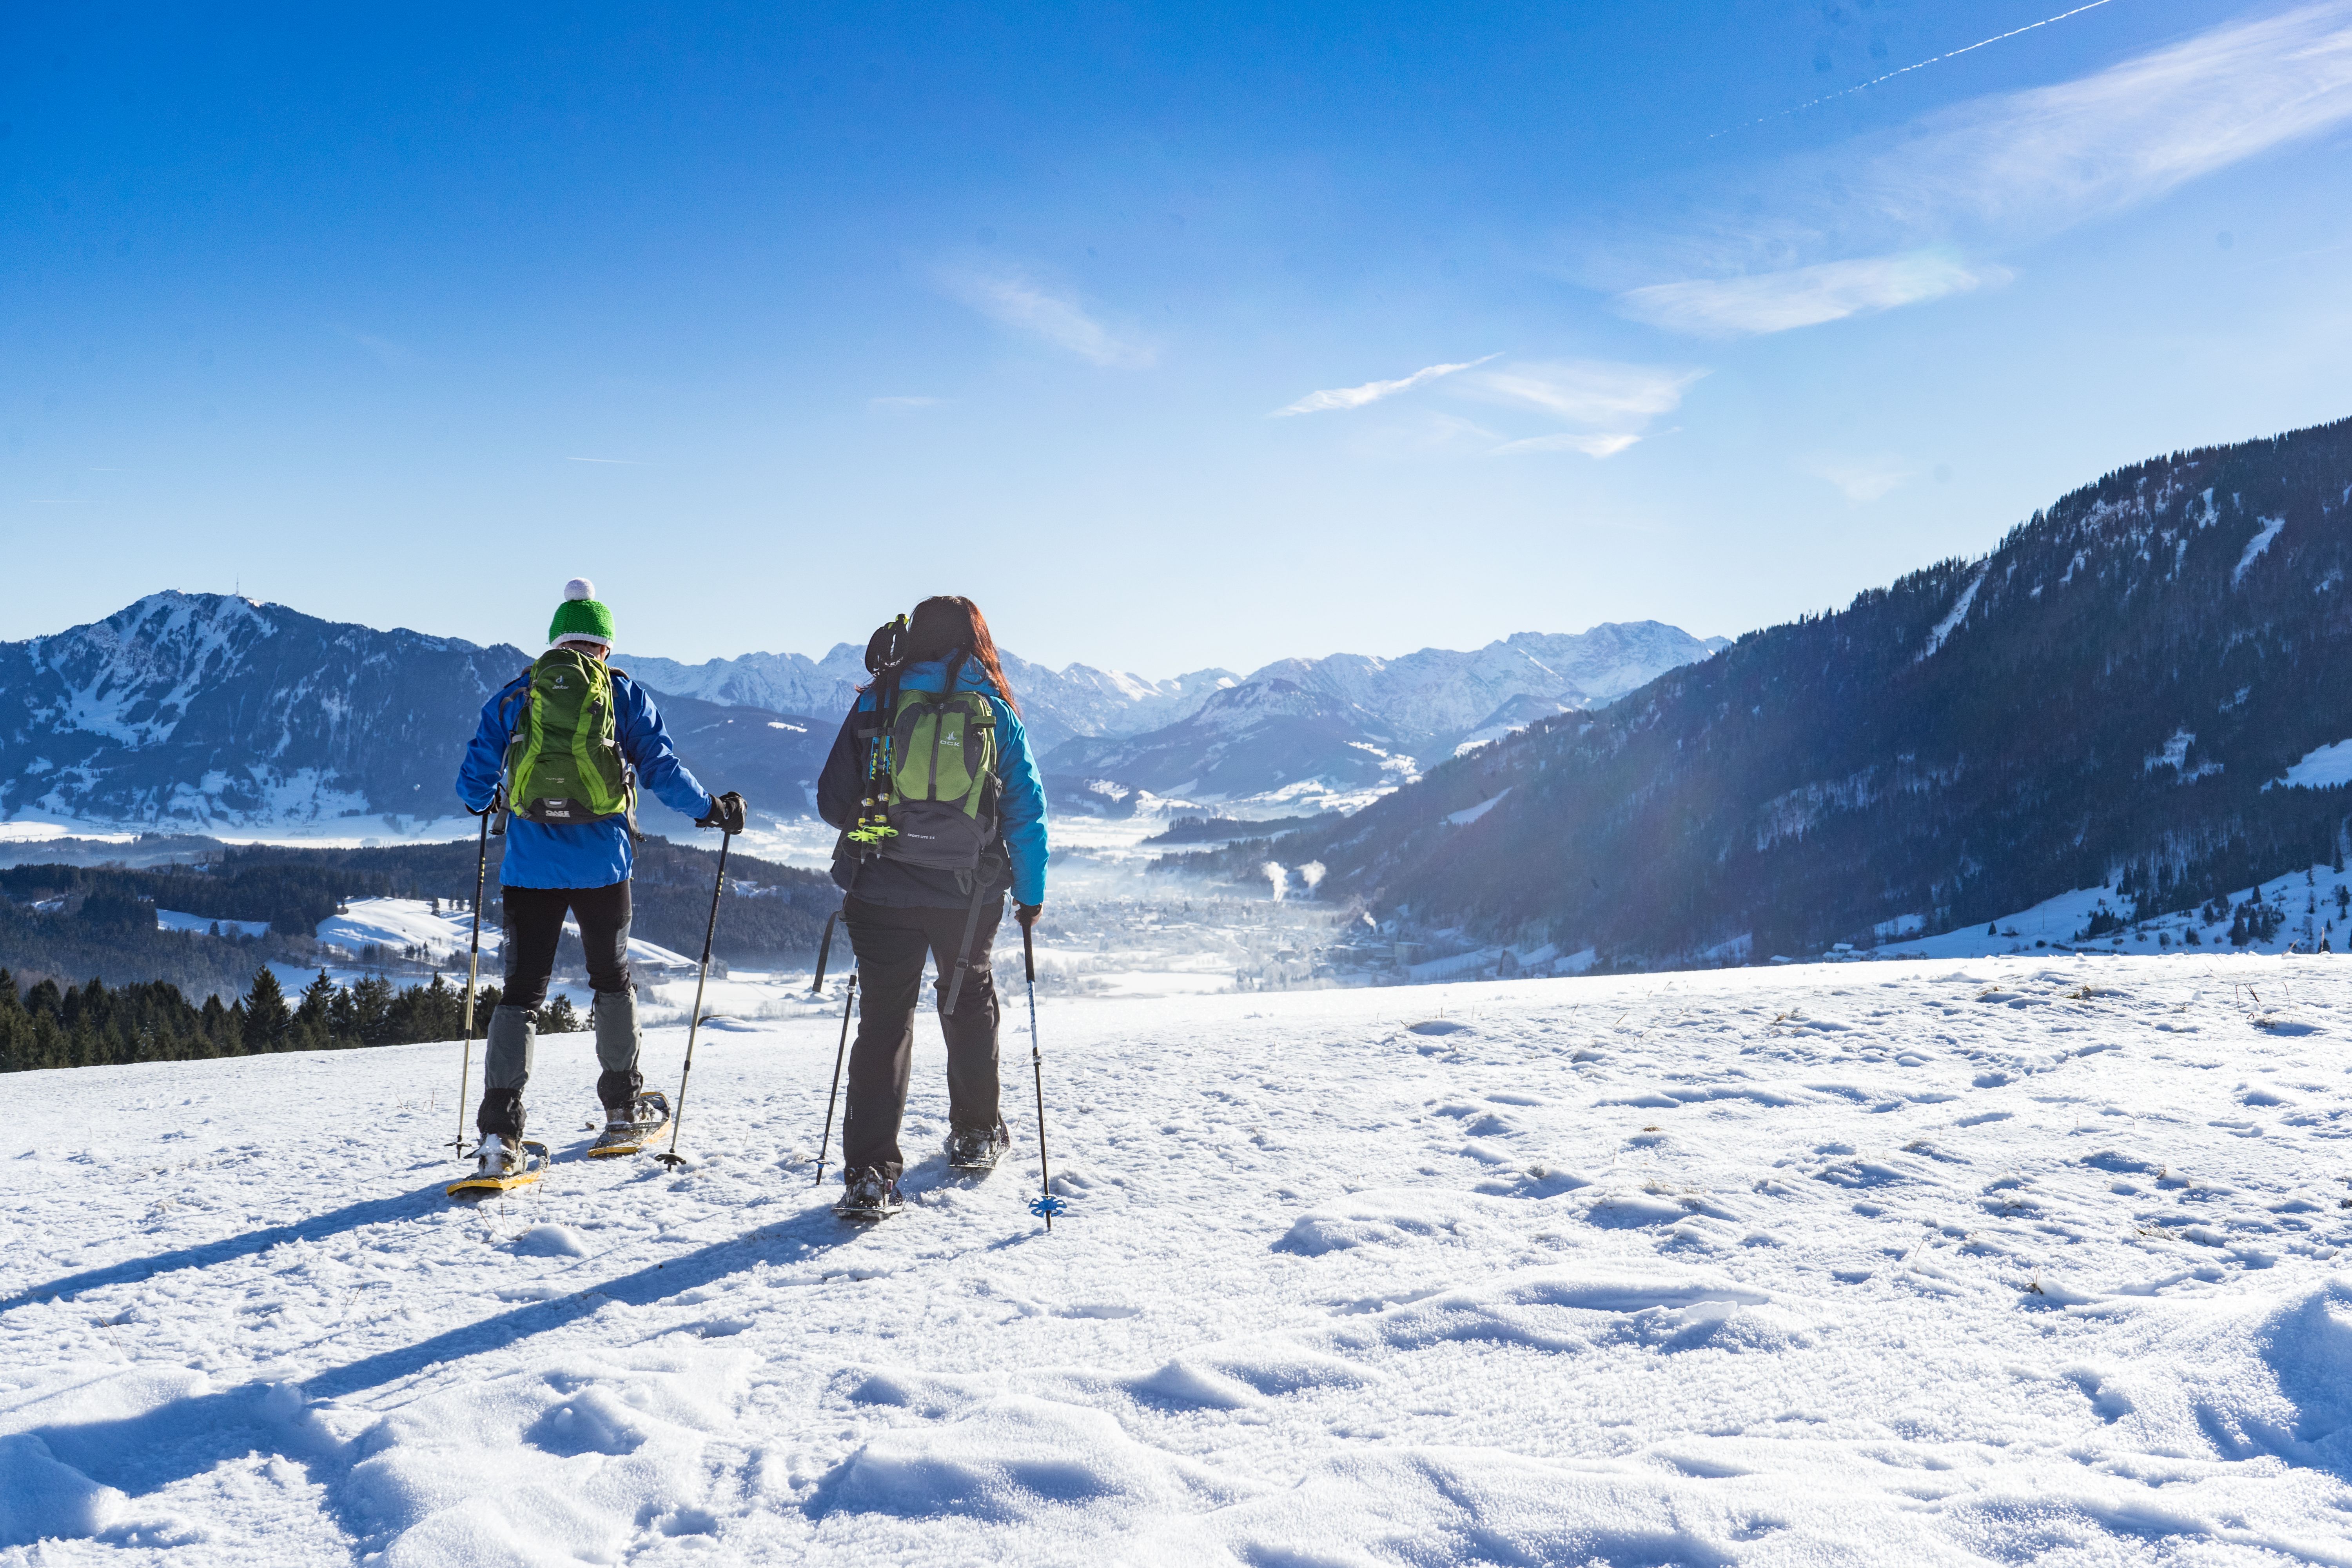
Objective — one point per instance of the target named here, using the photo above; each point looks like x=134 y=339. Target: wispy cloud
x=1022 y=303
x=2137 y=130
x=1569 y=441
x=1864 y=479
x=902 y=404
x=1616 y=401
x=1804 y=295
x=1587 y=392
x=387 y=352
x=1373 y=391
x=1868 y=226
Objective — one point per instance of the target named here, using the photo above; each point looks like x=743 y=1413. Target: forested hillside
x=73 y=923
x=2112 y=695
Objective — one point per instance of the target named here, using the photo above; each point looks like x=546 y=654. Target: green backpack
x=931 y=782
x=564 y=765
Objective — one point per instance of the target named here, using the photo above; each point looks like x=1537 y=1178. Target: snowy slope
x=1998 y=1261
x=397 y=924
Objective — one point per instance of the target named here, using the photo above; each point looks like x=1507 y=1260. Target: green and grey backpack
x=563 y=765
x=931 y=784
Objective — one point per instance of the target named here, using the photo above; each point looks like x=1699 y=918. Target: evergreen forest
x=95 y=1025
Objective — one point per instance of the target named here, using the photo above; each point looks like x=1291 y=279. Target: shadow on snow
x=191 y=1436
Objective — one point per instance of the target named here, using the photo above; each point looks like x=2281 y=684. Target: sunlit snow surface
x=2010 y=1260
x=2323 y=768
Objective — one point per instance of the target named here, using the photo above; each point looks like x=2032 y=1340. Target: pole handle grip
x=1028 y=956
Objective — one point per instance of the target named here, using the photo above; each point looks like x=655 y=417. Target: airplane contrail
x=1922 y=65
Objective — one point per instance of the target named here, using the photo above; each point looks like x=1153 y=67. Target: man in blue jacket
x=578 y=868
x=900 y=910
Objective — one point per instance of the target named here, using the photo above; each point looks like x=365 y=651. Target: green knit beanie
x=581 y=614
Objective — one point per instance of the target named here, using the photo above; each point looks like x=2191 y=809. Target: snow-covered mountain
x=192 y=711
x=2141 y=688
x=1338 y=731
x=1261 y=738
x=1436 y=694
x=781 y=682
x=1056 y=705
x=205 y=711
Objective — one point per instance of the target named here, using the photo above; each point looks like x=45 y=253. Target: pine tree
x=343 y=1018
x=314 y=1019
x=266 y=1018
x=559 y=1018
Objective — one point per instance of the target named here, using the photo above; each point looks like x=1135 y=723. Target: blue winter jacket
x=1021 y=808
x=592 y=854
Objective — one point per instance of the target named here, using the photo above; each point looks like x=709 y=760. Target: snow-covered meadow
x=2009 y=1260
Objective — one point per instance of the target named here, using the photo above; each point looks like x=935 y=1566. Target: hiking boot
x=496 y=1157
x=978 y=1148
x=869 y=1195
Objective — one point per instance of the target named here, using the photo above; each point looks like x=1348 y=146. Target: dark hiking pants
x=891 y=944
x=534 y=924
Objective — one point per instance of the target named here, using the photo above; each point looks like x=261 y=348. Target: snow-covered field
x=2008 y=1260
x=445 y=935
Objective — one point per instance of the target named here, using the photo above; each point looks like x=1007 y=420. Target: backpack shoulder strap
x=516 y=697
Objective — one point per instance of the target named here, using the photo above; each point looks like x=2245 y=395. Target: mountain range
x=2143 y=687
x=1056 y=705
x=1340 y=730
x=2140 y=688
x=203 y=711
x=195 y=711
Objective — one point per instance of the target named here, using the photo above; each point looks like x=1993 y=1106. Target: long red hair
x=945 y=623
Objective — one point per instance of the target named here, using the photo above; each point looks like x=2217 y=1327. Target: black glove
x=726 y=814
x=1027 y=914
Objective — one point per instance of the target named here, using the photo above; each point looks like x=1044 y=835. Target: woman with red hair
x=941 y=814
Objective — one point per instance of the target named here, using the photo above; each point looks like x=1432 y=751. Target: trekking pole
x=1047 y=1206
x=824 y=951
x=473 y=969
x=840 y=1052
x=677 y=1117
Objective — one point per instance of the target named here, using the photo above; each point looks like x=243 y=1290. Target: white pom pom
x=580 y=588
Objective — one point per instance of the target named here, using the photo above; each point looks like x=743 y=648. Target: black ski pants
x=535 y=924
x=891 y=944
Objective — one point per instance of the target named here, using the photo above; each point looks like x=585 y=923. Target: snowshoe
x=870 y=1196
x=978 y=1148
x=501 y=1166
x=629 y=1133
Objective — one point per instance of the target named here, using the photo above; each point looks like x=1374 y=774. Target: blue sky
x=1177 y=336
